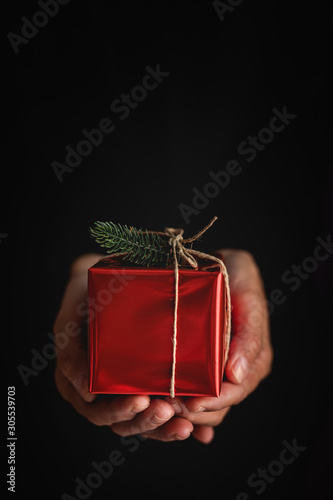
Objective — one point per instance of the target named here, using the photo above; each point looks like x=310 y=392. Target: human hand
x=126 y=415
x=250 y=356
x=249 y=362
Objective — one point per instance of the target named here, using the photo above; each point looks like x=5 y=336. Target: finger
x=102 y=411
x=74 y=298
x=212 y=417
x=181 y=428
x=250 y=315
x=176 y=429
x=72 y=355
x=74 y=366
x=250 y=324
x=158 y=413
x=82 y=263
x=251 y=354
x=203 y=433
x=231 y=394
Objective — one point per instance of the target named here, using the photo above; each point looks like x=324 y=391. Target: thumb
x=249 y=322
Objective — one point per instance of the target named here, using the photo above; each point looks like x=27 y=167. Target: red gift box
x=131 y=328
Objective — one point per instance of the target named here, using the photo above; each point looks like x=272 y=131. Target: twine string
x=176 y=241
x=181 y=252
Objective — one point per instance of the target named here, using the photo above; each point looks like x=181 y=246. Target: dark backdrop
x=225 y=77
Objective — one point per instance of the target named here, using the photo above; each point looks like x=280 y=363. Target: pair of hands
x=249 y=362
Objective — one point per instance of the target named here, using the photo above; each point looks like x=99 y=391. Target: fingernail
x=161 y=419
x=181 y=438
x=240 y=369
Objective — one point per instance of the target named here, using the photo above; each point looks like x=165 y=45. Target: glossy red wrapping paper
x=131 y=328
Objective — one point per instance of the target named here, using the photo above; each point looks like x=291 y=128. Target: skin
x=166 y=419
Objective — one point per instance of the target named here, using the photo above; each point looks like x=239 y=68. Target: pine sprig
x=136 y=245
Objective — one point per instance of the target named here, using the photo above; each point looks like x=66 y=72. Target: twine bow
x=176 y=241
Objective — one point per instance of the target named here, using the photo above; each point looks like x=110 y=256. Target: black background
x=225 y=78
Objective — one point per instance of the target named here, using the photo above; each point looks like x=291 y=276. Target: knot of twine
x=176 y=241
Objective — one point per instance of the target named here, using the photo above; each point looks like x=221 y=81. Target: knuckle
x=65 y=365
x=77 y=265
x=72 y=363
x=249 y=341
x=254 y=300
x=153 y=423
x=247 y=256
x=240 y=397
x=250 y=311
x=63 y=385
x=59 y=322
x=248 y=260
x=254 y=346
x=81 y=263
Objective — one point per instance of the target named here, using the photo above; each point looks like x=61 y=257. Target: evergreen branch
x=136 y=245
